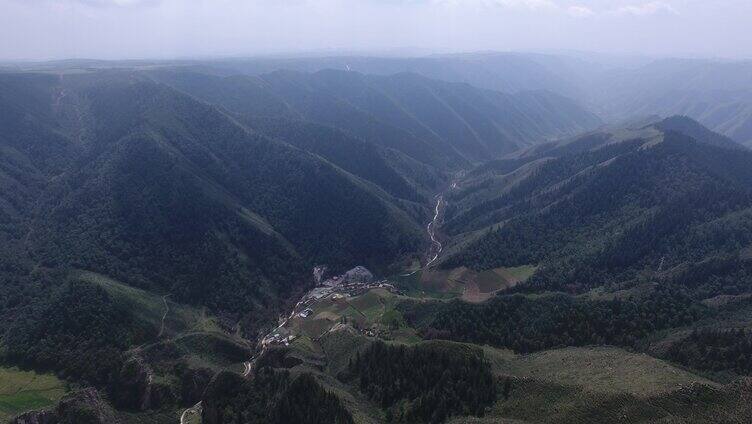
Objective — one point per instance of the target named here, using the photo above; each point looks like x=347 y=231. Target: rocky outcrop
x=359 y=274
x=320 y=273
x=133 y=389
x=82 y=407
x=193 y=382
x=36 y=417
x=136 y=388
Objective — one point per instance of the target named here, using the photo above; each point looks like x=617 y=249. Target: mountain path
x=164 y=316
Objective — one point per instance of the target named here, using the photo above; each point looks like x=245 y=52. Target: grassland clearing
x=22 y=391
x=603 y=384
x=150 y=307
x=481 y=286
x=597 y=369
x=468 y=284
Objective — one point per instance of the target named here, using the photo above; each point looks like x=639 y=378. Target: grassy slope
x=467 y=284
x=22 y=391
x=188 y=331
x=150 y=307
x=598 y=369
x=596 y=384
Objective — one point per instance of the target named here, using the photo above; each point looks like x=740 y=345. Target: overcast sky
x=112 y=29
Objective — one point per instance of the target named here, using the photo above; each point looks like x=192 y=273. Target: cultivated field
x=470 y=285
x=22 y=391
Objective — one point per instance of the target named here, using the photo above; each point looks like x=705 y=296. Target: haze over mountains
x=714 y=92
x=160 y=222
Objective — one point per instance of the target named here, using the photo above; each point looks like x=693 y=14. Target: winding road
x=434 y=250
x=248 y=365
x=194 y=410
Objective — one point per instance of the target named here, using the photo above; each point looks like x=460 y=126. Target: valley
x=236 y=242
x=436 y=246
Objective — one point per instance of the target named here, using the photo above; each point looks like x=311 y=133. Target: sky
x=152 y=29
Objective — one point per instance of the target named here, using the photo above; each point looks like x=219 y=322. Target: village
x=352 y=283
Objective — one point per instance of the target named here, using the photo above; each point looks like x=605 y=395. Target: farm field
x=468 y=284
x=22 y=391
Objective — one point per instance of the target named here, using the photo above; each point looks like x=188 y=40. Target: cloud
x=534 y=5
x=103 y=3
x=527 y=4
x=189 y=28
x=645 y=9
x=580 y=11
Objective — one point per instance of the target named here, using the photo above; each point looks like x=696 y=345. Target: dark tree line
x=425 y=384
x=352 y=154
x=715 y=350
x=671 y=206
x=528 y=324
x=79 y=332
x=271 y=397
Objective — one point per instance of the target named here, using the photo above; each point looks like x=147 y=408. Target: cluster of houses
x=352 y=283
x=280 y=336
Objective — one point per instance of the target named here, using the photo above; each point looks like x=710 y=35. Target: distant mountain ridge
x=438 y=123
x=714 y=92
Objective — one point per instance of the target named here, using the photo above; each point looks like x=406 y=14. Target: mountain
x=437 y=123
x=636 y=238
x=694 y=129
x=609 y=208
x=145 y=233
x=110 y=173
x=714 y=92
x=159 y=224
x=154 y=223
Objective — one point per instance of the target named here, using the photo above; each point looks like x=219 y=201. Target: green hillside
x=174 y=240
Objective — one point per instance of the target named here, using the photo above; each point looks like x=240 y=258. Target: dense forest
x=427 y=383
x=528 y=324
x=271 y=397
x=391 y=170
x=618 y=213
x=201 y=202
x=168 y=194
x=434 y=122
x=719 y=350
x=79 y=332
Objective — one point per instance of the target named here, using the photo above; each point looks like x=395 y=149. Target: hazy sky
x=44 y=29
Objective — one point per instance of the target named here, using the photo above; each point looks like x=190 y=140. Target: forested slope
x=438 y=123
x=615 y=208
x=134 y=180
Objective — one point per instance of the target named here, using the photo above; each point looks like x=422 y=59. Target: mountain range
x=714 y=92
x=175 y=240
